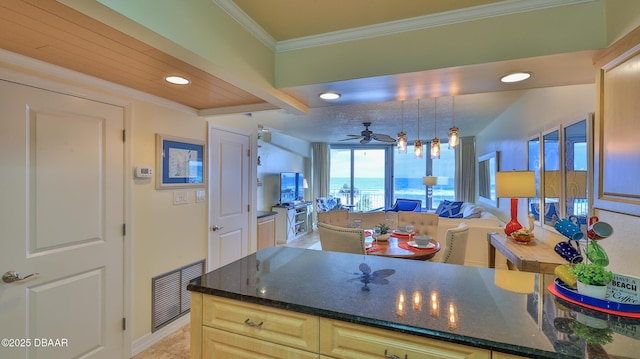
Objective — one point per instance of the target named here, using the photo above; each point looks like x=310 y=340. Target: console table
x=536 y=256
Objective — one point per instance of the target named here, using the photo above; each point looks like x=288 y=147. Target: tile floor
x=176 y=345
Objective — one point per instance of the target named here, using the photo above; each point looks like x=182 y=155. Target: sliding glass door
x=359 y=176
x=369 y=178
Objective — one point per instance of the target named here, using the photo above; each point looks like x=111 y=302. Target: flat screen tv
x=291 y=187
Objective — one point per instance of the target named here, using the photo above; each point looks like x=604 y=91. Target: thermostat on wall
x=143 y=172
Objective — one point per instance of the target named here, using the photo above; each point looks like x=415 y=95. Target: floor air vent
x=170 y=299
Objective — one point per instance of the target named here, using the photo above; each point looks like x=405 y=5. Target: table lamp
x=515 y=184
x=429 y=182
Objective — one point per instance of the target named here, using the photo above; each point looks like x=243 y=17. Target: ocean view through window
x=373 y=178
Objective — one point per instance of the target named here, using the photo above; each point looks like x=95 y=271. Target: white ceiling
x=482 y=98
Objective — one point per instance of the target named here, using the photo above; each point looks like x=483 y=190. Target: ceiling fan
x=367 y=135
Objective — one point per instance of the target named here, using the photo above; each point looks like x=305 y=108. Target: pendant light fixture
x=435 y=142
x=402 y=136
x=453 y=131
x=417 y=145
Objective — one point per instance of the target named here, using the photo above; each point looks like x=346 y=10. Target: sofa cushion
x=326 y=204
x=451 y=209
x=469 y=211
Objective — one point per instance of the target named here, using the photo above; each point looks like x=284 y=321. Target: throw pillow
x=471 y=211
x=451 y=209
x=439 y=209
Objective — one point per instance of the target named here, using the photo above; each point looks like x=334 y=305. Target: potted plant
x=384 y=232
x=592 y=279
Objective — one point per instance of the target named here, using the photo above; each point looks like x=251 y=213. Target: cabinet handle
x=391 y=356
x=252 y=324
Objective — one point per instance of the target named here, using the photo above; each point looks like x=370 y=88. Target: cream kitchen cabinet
x=340 y=339
x=226 y=328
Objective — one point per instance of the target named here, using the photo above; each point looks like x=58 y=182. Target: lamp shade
x=429 y=180
x=515 y=184
x=305 y=184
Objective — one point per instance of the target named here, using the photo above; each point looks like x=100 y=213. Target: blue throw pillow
x=451 y=209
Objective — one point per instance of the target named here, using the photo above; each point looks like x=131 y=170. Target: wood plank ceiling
x=52 y=32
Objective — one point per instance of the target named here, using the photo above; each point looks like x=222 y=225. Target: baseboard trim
x=146 y=341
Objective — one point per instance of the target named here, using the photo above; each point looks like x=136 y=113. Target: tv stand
x=293 y=220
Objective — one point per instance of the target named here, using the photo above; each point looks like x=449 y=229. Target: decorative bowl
x=422 y=241
x=522 y=236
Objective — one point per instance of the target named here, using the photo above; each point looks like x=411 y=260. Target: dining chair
x=455 y=245
x=341 y=239
x=336 y=218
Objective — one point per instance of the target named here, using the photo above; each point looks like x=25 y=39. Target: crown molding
x=504 y=8
x=247 y=22
x=507 y=7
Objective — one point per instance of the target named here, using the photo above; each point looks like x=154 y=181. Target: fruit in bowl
x=522 y=235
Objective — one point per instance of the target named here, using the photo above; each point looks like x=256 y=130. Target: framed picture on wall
x=181 y=162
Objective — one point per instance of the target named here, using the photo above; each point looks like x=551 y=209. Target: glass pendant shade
x=402 y=136
x=402 y=142
x=435 y=148
x=417 y=151
x=453 y=137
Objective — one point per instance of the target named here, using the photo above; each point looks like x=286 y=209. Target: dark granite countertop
x=261 y=214
x=332 y=285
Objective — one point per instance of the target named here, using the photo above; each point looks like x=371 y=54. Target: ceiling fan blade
x=383 y=138
x=352 y=138
x=365 y=140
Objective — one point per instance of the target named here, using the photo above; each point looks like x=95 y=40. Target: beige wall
x=165 y=236
x=538 y=111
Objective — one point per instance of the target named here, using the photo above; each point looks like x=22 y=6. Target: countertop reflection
x=480 y=307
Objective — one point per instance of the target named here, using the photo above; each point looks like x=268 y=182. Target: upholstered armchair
x=404 y=204
x=341 y=239
x=335 y=218
x=423 y=223
x=455 y=245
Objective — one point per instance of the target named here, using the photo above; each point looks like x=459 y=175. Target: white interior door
x=61 y=215
x=228 y=196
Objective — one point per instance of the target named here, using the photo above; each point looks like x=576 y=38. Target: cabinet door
x=346 y=340
x=266 y=232
x=264 y=323
x=222 y=344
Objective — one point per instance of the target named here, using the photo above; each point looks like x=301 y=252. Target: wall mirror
x=551 y=178
x=533 y=163
x=576 y=170
x=487 y=168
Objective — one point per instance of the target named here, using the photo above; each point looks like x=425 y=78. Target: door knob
x=13 y=276
x=215 y=228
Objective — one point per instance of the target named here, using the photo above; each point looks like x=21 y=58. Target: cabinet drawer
x=222 y=344
x=346 y=340
x=278 y=326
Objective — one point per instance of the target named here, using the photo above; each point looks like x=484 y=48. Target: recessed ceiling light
x=329 y=95
x=177 y=80
x=515 y=77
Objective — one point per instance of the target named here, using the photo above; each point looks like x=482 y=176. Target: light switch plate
x=180 y=197
x=201 y=195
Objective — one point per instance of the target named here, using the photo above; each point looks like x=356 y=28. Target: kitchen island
x=297 y=303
